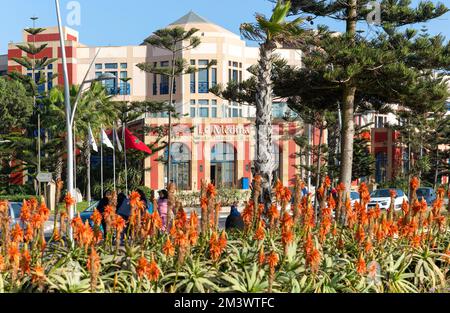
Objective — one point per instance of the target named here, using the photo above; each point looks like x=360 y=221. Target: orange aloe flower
x=44 y=211
x=168 y=248
x=119 y=224
x=393 y=193
x=368 y=247
x=14 y=253
x=25 y=214
x=414 y=183
x=361 y=267
x=214 y=247
x=273 y=213
x=272 y=260
x=109 y=212
x=69 y=200
x=247 y=214
x=364 y=194
x=2 y=263
x=36 y=221
x=287 y=236
x=17 y=233
x=223 y=241
x=327 y=182
x=211 y=190
x=28 y=236
x=313 y=259
x=331 y=202
x=259 y=234
x=416 y=241
x=180 y=219
x=405 y=207
x=38 y=274
x=261 y=256
x=193 y=236
x=153 y=270
x=287 y=195
x=25 y=262
x=141 y=267
x=372 y=270
x=181 y=239
x=93 y=262
x=279 y=190
x=135 y=198
x=96 y=217
x=308 y=244
x=360 y=234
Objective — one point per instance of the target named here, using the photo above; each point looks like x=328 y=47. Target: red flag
x=132 y=142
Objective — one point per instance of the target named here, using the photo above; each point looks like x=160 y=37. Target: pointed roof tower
x=191 y=18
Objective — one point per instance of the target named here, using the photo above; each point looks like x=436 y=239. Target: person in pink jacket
x=163 y=206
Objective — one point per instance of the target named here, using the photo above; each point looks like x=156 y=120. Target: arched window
x=223 y=165
x=181 y=166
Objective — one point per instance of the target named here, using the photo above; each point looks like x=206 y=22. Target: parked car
x=426 y=193
x=382 y=197
x=15 y=209
x=354 y=196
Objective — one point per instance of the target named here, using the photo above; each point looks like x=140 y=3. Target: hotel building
x=222 y=145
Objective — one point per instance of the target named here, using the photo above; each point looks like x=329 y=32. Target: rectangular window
x=213 y=112
x=192 y=112
x=164 y=85
x=50 y=67
x=98 y=66
x=235 y=112
x=49 y=80
x=98 y=74
x=111 y=66
x=213 y=77
x=235 y=64
x=203 y=81
x=229 y=63
x=213 y=102
x=203 y=102
x=111 y=84
x=240 y=76
x=240 y=65
x=235 y=77
x=164 y=63
x=192 y=82
x=124 y=86
x=155 y=85
x=203 y=62
x=192 y=62
x=192 y=102
x=203 y=112
x=123 y=65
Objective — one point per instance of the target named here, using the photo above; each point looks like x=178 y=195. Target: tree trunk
x=348 y=127
x=319 y=158
x=264 y=163
x=58 y=175
x=348 y=133
x=87 y=156
x=169 y=143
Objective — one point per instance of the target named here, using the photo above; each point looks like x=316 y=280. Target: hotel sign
x=223 y=130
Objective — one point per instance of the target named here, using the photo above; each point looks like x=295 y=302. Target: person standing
x=234 y=220
x=163 y=207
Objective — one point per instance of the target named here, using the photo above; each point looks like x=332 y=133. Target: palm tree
x=172 y=39
x=268 y=33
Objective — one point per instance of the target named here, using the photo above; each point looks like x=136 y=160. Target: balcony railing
x=203 y=87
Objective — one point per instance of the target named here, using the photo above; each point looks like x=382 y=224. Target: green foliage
x=16 y=108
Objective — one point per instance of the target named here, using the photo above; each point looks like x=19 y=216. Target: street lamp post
x=70 y=114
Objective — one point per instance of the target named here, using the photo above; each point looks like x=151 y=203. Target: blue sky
x=115 y=22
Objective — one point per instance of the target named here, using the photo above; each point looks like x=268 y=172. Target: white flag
x=119 y=146
x=92 y=140
x=105 y=140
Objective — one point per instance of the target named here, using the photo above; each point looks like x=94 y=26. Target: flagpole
x=101 y=160
x=88 y=165
x=114 y=159
x=125 y=156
